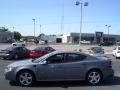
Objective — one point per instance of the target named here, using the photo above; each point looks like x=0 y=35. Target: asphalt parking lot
x=110 y=84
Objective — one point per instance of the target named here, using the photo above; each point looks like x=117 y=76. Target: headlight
x=8 y=69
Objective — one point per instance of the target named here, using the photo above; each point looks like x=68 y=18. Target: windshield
x=42 y=58
x=95 y=49
x=40 y=48
x=9 y=48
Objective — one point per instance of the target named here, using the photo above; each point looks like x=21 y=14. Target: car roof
x=77 y=52
x=95 y=46
x=16 y=46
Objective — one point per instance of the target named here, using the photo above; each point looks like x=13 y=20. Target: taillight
x=118 y=51
x=110 y=64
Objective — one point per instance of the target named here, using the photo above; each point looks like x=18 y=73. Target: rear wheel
x=94 y=77
x=25 y=78
x=16 y=56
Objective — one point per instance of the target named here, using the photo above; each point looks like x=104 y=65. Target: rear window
x=40 y=48
x=118 y=48
x=96 y=49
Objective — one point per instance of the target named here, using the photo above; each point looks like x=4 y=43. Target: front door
x=53 y=70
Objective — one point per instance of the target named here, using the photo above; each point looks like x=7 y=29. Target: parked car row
x=16 y=52
x=19 y=51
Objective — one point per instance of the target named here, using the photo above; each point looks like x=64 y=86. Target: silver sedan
x=60 y=66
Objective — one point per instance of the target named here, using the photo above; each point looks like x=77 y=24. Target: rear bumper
x=109 y=73
x=118 y=55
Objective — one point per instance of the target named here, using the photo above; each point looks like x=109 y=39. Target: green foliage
x=3 y=29
x=42 y=34
x=17 y=36
x=24 y=38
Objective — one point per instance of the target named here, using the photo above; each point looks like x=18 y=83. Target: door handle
x=84 y=64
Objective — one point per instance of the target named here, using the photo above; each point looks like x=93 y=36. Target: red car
x=40 y=51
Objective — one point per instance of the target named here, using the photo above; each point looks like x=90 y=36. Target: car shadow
x=20 y=59
x=66 y=84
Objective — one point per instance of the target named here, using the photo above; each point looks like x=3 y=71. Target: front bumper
x=10 y=75
x=5 y=55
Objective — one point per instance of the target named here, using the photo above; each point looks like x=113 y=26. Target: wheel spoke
x=94 y=77
x=25 y=78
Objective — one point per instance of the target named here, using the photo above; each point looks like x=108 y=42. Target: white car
x=18 y=44
x=116 y=52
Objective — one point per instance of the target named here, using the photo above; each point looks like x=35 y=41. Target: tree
x=24 y=38
x=3 y=29
x=40 y=35
x=17 y=36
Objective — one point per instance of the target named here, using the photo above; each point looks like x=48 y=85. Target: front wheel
x=94 y=77
x=25 y=78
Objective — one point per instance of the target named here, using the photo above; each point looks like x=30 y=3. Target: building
x=6 y=37
x=86 y=38
x=94 y=38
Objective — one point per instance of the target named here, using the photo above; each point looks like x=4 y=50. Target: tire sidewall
x=18 y=80
x=89 y=74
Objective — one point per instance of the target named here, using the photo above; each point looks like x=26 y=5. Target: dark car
x=14 y=52
x=40 y=51
x=95 y=50
x=60 y=66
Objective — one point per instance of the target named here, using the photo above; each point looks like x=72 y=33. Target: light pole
x=81 y=4
x=108 y=28
x=34 y=27
x=62 y=18
x=40 y=28
x=13 y=34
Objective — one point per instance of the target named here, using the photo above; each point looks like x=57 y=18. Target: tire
x=116 y=56
x=94 y=77
x=16 y=56
x=25 y=78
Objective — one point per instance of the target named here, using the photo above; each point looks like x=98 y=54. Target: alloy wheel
x=25 y=78
x=94 y=77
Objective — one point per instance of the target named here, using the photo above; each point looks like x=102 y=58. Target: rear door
x=74 y=66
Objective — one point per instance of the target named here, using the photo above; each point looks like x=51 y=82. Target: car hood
x=4 y=51
x=21 y=63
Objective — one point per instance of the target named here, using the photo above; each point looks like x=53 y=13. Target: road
x=110 y=84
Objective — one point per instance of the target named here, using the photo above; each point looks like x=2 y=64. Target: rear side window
x=71 y=57
x=118 y=48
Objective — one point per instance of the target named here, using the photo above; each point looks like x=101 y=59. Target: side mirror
x=43 y=63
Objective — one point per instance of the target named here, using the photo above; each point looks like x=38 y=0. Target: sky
x=49 y=13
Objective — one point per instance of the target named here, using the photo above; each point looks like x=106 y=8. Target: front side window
x=58 y=58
